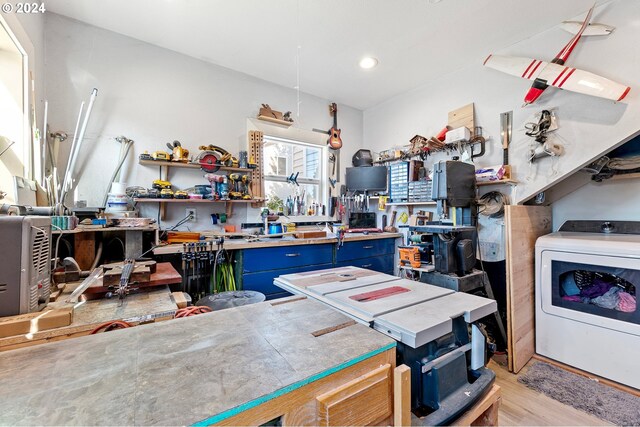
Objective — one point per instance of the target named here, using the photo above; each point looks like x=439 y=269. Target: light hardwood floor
x=522 y=406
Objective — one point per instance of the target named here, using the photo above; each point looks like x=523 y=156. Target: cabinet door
x=280 y=257
x=364 y=400
x=263 y=281
x=365 y=249
x=383 y=264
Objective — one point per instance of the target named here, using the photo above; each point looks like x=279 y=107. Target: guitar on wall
x=334 y=140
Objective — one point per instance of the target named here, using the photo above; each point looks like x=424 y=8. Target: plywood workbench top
x=181 y=371
x=235 y=244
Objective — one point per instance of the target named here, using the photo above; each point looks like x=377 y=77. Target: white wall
x=608 y=200
x=588 y=126
x=154 y=96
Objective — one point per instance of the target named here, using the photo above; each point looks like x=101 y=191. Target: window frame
x=322 y=181
x=297 y=133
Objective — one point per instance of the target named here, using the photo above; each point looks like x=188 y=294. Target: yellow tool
x=161 y=184
x=179 y=154
x=160 y=155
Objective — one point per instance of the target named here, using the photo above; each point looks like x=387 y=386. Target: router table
x=431 y=325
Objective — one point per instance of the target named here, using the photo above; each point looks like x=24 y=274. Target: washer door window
x=598 y=290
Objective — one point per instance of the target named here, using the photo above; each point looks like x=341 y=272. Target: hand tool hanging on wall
x=391 y=227
x=506 y=126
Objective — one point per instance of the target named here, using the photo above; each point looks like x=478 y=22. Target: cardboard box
x=35 y=322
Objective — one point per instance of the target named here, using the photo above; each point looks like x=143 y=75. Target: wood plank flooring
x=522 y=406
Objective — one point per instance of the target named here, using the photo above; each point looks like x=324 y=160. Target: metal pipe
x=63 y=189
x=128 y=143
x=83 y=129
x=43 y=169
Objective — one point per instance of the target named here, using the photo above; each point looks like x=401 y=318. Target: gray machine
x=435 y=329
x=454 y=237
x=25 y=263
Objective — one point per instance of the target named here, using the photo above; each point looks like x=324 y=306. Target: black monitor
x=367 y=178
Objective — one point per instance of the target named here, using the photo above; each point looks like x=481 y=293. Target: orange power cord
x=192 y=311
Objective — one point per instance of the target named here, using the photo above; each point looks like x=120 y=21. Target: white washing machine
x=587 y=275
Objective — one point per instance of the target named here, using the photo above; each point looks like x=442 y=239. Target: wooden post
x=402 y=396
x=84 y=249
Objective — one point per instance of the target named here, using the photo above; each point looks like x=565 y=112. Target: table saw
x=435 y=329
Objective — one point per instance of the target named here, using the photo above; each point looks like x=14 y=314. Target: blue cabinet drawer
x=365 y=249
x=383 y=263
x=265 y=259
x=263 y=281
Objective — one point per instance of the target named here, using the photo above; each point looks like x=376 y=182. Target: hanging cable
x=492 y=204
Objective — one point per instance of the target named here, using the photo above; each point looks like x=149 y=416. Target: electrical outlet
x=193 y=214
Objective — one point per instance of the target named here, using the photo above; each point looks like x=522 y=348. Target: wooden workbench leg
x=84 y=249
x=132 y=244
x=402 y=396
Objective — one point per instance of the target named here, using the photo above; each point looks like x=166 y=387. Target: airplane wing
x=527 y=68
x=559 y=76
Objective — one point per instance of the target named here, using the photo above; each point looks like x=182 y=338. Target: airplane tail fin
x=591 y=30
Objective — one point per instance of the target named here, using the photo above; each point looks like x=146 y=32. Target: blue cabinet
x=263 y=281
x=365 y=249
x=258 y=267
x=279 y=257
x=377 y=255
x=383 y=263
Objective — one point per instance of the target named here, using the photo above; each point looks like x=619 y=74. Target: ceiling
x=416 y=41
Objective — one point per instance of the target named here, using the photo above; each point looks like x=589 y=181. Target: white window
x=285 y=160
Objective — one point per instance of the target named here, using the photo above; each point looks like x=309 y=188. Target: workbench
x=292 y=358
x=266 y=242
x=259 y=263
x=149 y=305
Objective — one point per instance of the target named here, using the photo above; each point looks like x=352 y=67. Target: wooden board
x=140 y=274
x=256 y=153
x=463 y=116
x=361 y=401
x=299 y=407
x=165 y=275
x=84 y=249
x=523 y=226
x=88 y=315
x=31 y=323
x=483 y=413
x=402 y=396
x=310 y=234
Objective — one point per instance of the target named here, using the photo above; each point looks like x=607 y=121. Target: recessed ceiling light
x=368 y=62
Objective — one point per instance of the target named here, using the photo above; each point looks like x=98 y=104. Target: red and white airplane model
x=556 y=74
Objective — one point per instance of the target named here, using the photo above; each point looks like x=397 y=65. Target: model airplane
x=556 y=74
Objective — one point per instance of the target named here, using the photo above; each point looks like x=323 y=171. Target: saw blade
x=209 y=163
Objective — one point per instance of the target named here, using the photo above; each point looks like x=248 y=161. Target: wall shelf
x=410 y=205
x=228 y=203
x=499 y=182
x=186 y=165
x=274 y=120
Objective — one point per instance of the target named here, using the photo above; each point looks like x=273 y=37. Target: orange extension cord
x=111 y=326
x=192 y=311
x=121 y=324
